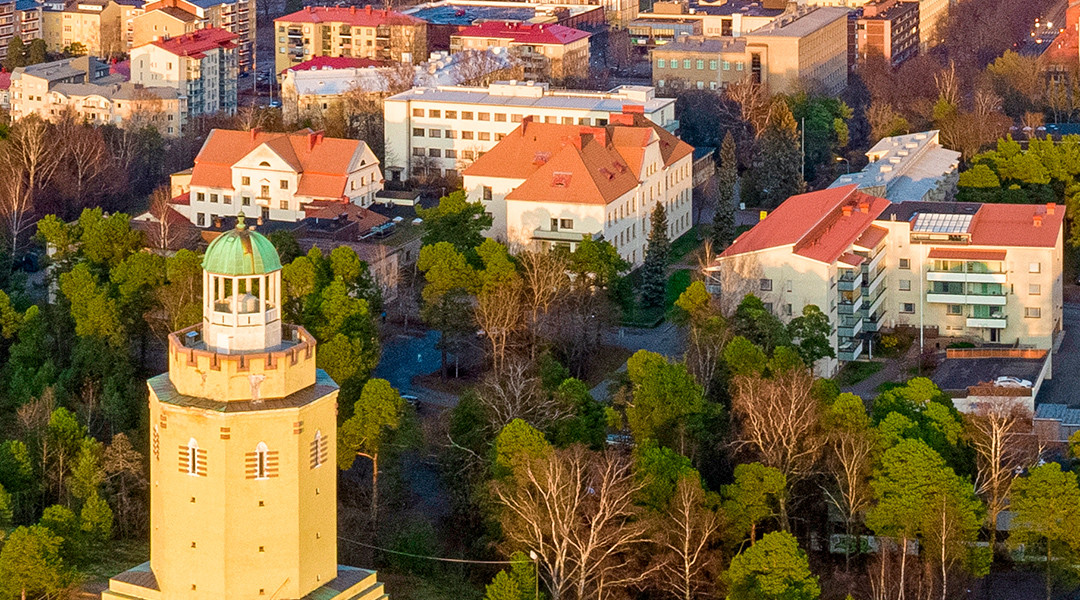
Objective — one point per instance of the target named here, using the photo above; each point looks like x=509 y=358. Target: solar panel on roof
x=941 y=223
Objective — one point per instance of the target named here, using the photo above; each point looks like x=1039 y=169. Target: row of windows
x=260 y=464
x=447 y=153
x=699 y=64
x=450 y=134
x=435 y=113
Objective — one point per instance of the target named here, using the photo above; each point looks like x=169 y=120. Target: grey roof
x=958 y=374
x=166 y=392
x=346 y=578
x=802 y=23
x=611 y=101
x=908 y=166
x=141 y=576
x=64 y=69
x=110 y=90
x=906 y=211
x=714 y=45
x=1069 y=417
x=749 y=9
x=466 y=13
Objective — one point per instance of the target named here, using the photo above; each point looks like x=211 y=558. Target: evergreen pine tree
x=654 y=271
x=723 y=229
x=38 y=52
x=16 y=54
x=777 y=171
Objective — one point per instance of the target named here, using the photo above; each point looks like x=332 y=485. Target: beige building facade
x=348 y=31
x=548 y=52
x=235 y=16
x=20 y=18
x=161 y=23
x=989 y=273
x=201 y=65
x=243 y=499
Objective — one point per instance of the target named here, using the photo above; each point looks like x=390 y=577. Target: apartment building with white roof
x=442 y=130
x=908 y=167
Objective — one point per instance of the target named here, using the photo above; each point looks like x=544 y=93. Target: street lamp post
x=846 y=163
x=536 y=567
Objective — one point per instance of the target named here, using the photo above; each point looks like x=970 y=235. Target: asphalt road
x=1064 y=387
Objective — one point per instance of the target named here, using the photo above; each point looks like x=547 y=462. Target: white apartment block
x=550 y=184
x=274 y=176
x=200 y=65
x=442 y=130
x=908 y=167
x=988 y=273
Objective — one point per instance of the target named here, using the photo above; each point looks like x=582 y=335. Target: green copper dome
x=241 y=252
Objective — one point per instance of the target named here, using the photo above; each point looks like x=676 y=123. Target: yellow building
x=348 y=31
x=242 y=436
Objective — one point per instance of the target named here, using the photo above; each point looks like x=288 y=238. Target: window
x=466 y=135
x=214 y=198
x=284 y=205
x=201 y=197
x=227 y=199
x=956 y=309
x=417 y=112
x=566 y=223
x=467 y=154
x=768 y=307
x=905 y=263
x=787 y=310
x=260 y=461
x=661 y=63
x=700 y=64
x=1034 y=289
x=1035 y=267
x=466 y=115
x=245 y=201
x=1032 y=312
x=245 y=180
x=434 y=114
x=907 y=308
x=434 y=153
x=435 y=133
x=418 y=132
x=189 y=458
x=417 y=151
x=500 y=117
x=451 y=114
x=483 y=136
x=483 y=116
x=200 y=220
x=450 y=153
x=905 y=285
x=487 y=192
x=765 y=285
x=499 y=136
x=686 y=63
x=554 y=224
x=727 y=66
x=739 y=66
x=701 y=85
x=284 y=184
x=264 y=191
x=450 y=134
x=712 y=65
x=515 y=118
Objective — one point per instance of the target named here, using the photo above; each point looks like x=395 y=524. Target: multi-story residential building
x=735 y=18
x=162 y=23
x=118 y=24
x=443 y=130
x=200 y=65
x=77 y=22
x=983 y=272
x=550 y=184
x=274 y=176
x=312 y=88
x=932 y=16
x=84 y=88
x=20 y=18
x=348 y=31
x=445 y=18
x=650 y=30
x=234 y=16
x=884 y=28
x=700 y=63
x=806 y=48
x=548 y=52
x=908 y=167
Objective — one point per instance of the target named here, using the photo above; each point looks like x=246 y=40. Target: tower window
x=193 y=459
x=318 y=450
x=260 y=461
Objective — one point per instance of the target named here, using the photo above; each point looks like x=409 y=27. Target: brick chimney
x=352 y=9
x=598 y=133
x=631 y=109
x=1037 y=220
x=314 y=138
x=864 y=207
x=1051 y=207
x=846 y=210
x=254 y=133
x=621 y=119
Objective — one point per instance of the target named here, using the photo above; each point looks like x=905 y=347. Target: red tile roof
x=197 y=43
x=363 y=17
x=5 y=80
x=335 y=62
x=871 y=237
x=576 y=164
x=966 y=254
x=1015 y=225
x=323 y=163
x=524 y=33
x=183 y=199
x=821 y=226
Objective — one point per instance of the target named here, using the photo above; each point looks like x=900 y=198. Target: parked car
x=1013 y=382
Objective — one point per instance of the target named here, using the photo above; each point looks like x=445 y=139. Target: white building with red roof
x=987 y=273
x=551 y=184
x=549 y=52
x=274 y=176
x=200 y=65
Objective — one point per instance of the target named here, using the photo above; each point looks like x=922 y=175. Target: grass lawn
x=684 y=245
x=640 y=316
x=120 y=556
x=854 y=372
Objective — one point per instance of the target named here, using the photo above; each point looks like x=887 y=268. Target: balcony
x=970 y=272
x=850 y=307
x=852 y=282
x=992 y=322
x=851 y=351
x=849 y=328
x=985 y=299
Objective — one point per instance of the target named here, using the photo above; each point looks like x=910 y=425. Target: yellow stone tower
x=243 y=478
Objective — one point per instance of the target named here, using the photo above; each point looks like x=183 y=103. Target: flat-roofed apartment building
x=913 y=166
x=932 y=16
x=670 y=20
x=803 y=49
x=348 y=31
x=550 y=184
x=884 y=28
x=442 y=130
x=201 y=65
x=84 y=87
x=982 y=272
x=548 y=52
x=20 y=18
x=234 y=16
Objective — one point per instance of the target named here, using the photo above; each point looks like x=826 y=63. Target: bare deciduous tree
x=498 y=312
x=514 y=392
x=1000 y=433
x=777 y=419
x=576 y=510
x=125 y=481
x=687 y=534
x=27 y=162
x=545 y=277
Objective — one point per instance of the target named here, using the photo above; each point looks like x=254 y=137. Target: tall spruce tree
x=654 y=271
x=777 y=171
x=37 y=53
x=16 y=54
x=723 y=229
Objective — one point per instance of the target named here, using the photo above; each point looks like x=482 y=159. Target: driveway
x=1064 y=387
x=404 y=357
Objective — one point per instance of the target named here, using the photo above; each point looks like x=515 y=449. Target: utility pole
x=802 y=145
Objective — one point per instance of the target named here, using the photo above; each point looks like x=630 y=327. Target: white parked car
x=1014 y=382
